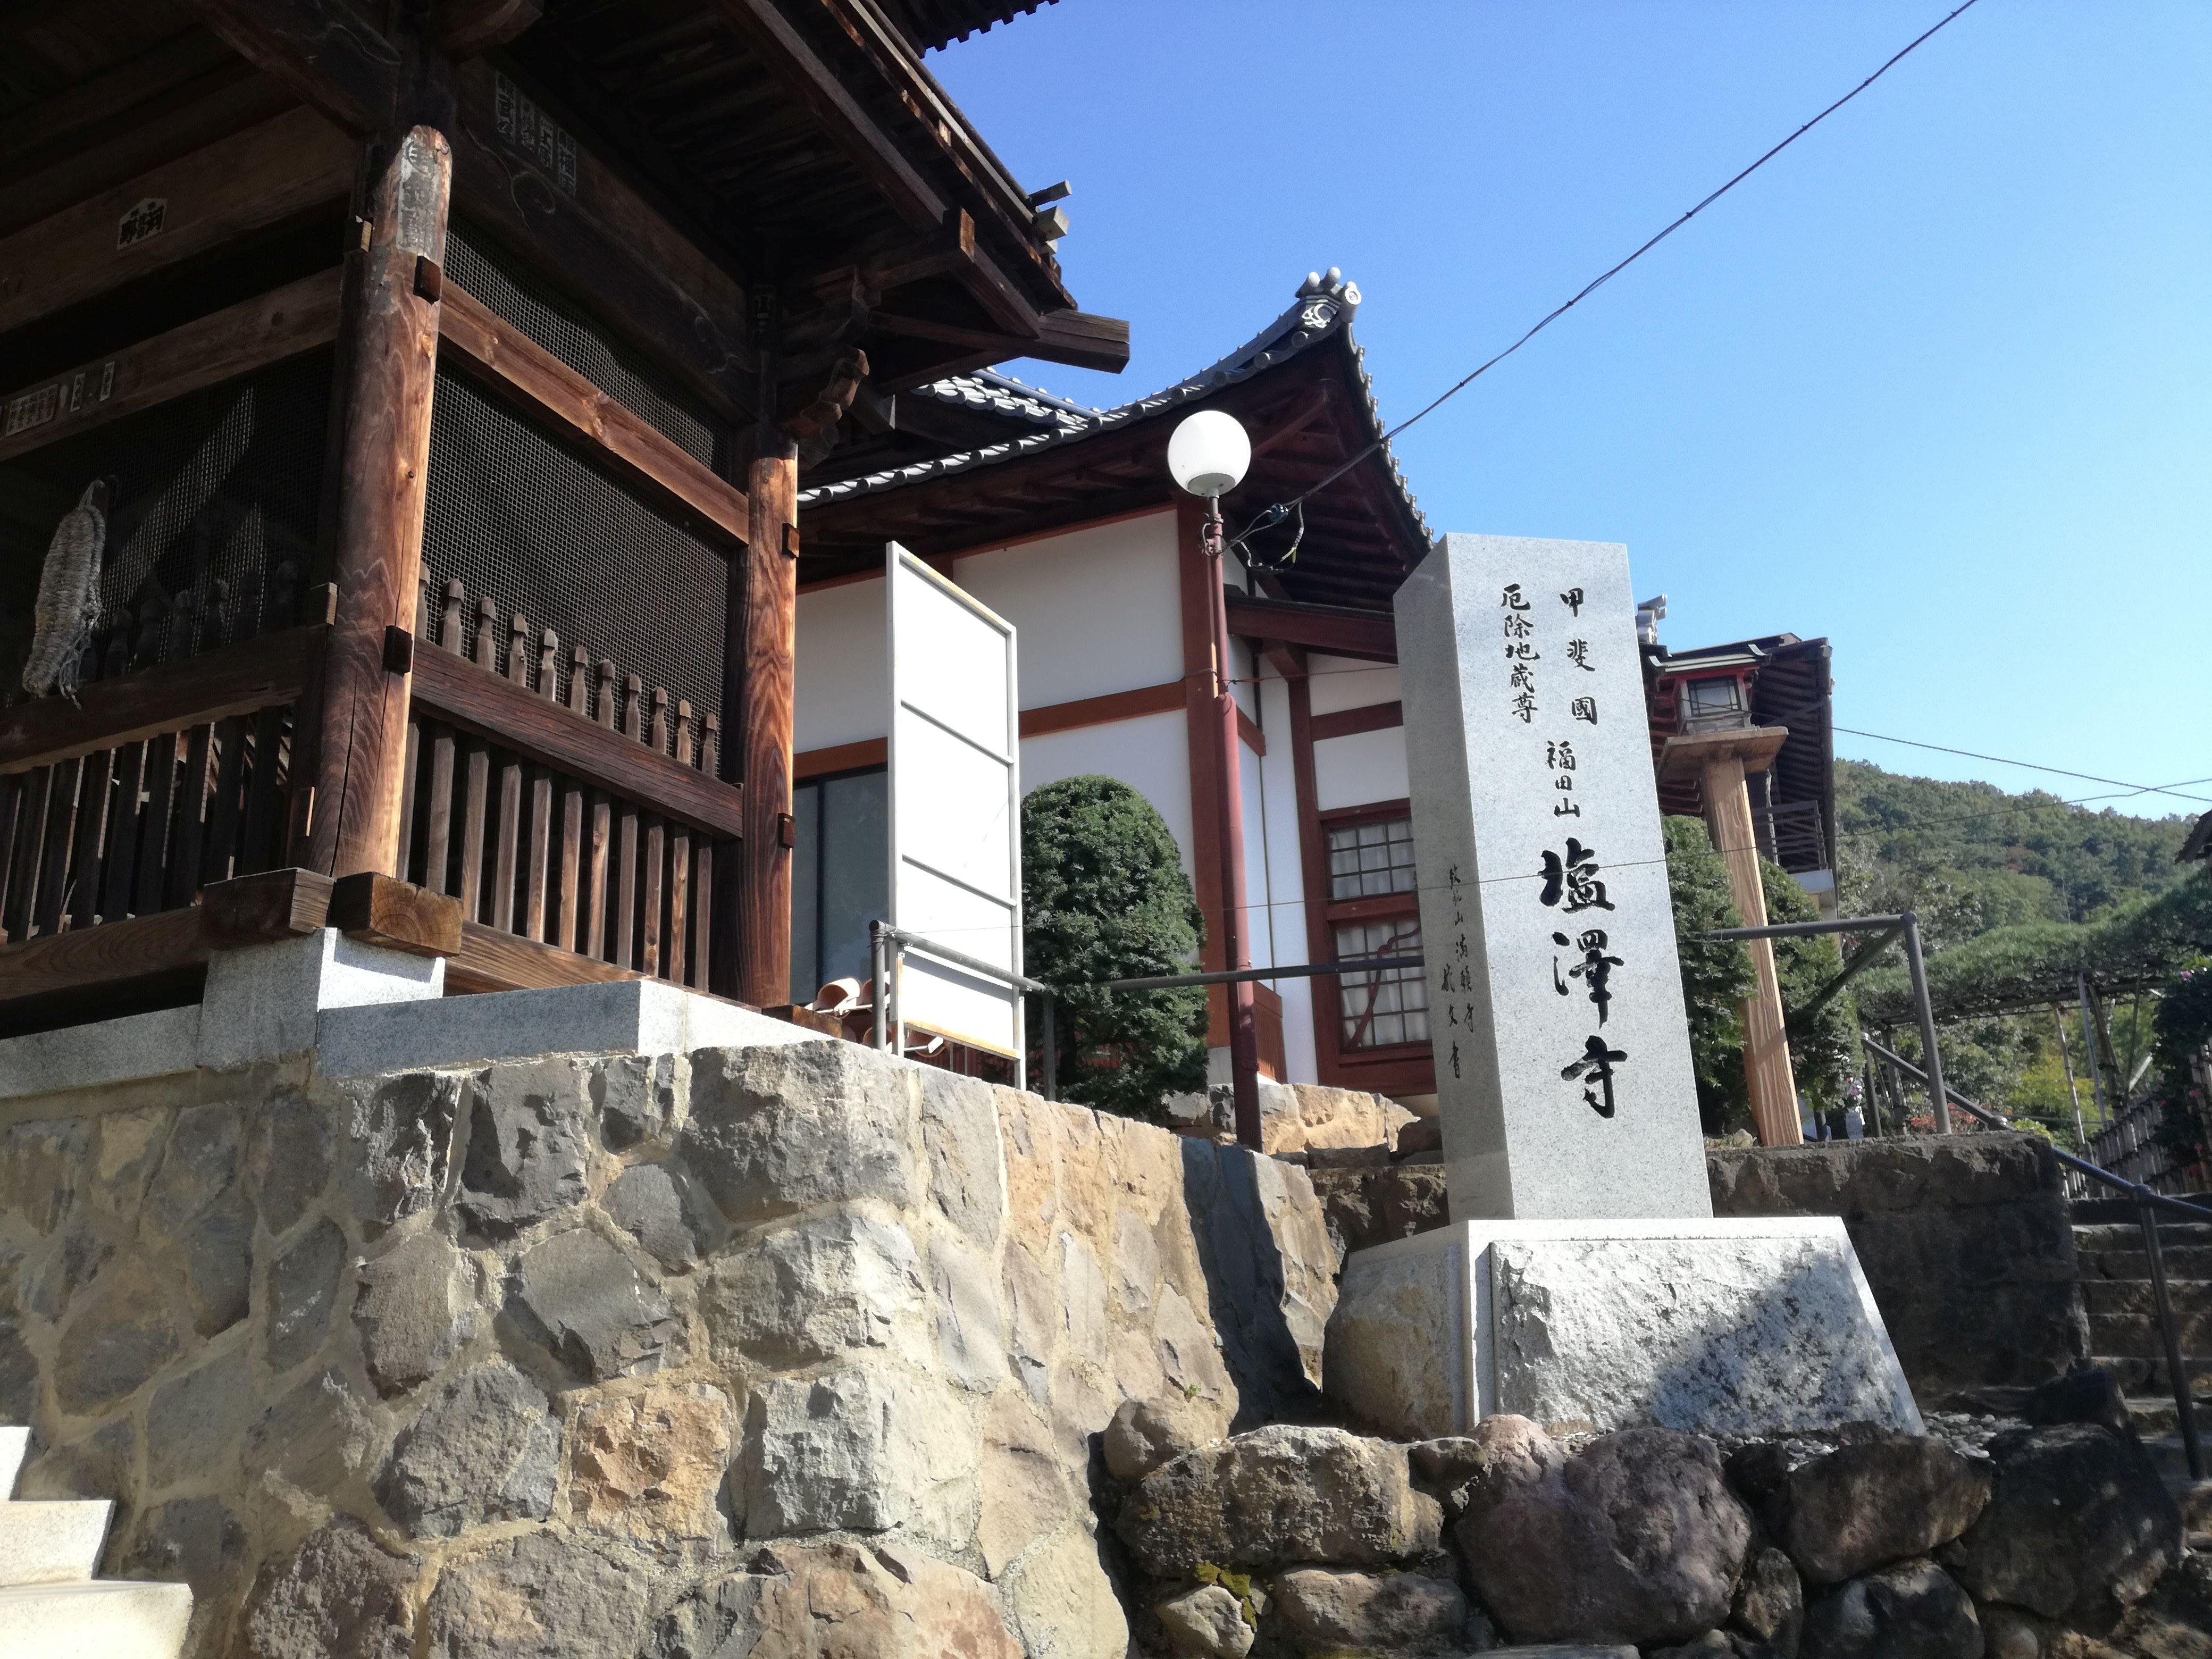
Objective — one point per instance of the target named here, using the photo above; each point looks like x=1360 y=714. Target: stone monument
x=1584 y=1280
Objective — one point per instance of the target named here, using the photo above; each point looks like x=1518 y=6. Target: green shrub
x=1717 y=975
x=1105 y=896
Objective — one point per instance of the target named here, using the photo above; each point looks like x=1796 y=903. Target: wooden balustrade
x=585 y=818
x=170 y=770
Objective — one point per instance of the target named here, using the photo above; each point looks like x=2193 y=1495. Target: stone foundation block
x=1725 y=1327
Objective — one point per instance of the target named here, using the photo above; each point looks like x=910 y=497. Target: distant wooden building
x=1775 y=680
x=450 y=368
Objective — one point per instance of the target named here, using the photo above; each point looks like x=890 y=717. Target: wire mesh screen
x=213 y=514
x=518 y=298
x=523 y=521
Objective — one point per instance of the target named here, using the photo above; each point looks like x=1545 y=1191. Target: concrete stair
x=2123 y=1312
x=50 y=1606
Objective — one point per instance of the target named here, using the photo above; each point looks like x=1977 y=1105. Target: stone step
x=2114 y=1207
x=2145 y=1375
x=2119 y=1235
x=2182 y=1262
x=2139 y=1296
x=15 y=1444
x=2137 y=1334
x=51 y=1543
x=109 y=1619
x=2154 y=1415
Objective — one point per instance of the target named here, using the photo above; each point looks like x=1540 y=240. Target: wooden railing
x=586 y=820
x=171 y=770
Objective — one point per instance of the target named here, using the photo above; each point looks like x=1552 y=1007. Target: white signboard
x=1555 y=1001
x=956 y=851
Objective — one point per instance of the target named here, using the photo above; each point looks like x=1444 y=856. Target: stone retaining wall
x=1965 y=1239
x=620 y=1355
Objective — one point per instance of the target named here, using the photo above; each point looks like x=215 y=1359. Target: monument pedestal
x=1722 y=1327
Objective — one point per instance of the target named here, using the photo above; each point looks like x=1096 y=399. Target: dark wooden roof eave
x=1362 y=537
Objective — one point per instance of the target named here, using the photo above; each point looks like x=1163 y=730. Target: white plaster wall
x=1347 y=682
x=1259 y=917
x=1361 y=769
x=1097 y=609
x=1279 y=797
x=842 y=687
x=1151 y=753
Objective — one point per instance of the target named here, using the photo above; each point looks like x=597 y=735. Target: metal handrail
x=2147 y=1202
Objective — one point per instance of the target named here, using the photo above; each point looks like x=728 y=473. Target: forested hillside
x=1969 y=857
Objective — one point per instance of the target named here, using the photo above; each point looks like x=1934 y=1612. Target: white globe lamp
x=1209 y=453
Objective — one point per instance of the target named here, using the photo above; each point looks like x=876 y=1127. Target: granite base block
x=1744 y=1327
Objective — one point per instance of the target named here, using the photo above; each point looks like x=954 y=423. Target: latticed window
x=1369 y=859
x=1388 y=1005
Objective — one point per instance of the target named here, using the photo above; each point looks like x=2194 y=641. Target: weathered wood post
x=1722 y=760
x=387 y=362
x=765 y=694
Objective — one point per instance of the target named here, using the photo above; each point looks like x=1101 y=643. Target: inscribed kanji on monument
x=1555 y=1003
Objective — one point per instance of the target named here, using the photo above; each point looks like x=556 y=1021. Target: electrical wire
x=1276 y=512
x=2032 y=766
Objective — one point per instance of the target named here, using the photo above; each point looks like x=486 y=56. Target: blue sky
x=1935 y=383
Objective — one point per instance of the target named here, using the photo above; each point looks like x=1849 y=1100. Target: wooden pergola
x=463 y=360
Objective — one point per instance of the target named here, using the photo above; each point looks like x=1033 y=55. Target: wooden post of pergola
x=1721 y=761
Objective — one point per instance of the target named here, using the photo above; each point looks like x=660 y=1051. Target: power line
x=1281 y=510
x=2032 y=766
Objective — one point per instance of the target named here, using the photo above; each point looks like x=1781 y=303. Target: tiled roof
x=1321 y=312
x=1002 y=394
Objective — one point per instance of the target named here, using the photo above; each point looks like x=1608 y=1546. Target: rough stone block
x=485 y=1449
x=1733 y=1327
x=289 y=1158
x=303 y=1288
x=193 y=1421
x=1911 y=1609
x=337 y=1596
x=635 y=1096
x=844 y=1599
x=2078 y=1525
x=122 y=1332
x=775 y=1130
x=1060 y=1602
x=314 y=1439
x=581 y=1297
x=416 y=1308
x=526 y=1146
x=542 y=1597
x=657 y=1207
x=856 y=1451
x=401 y=1134
x=649 y=1466
x=1284 y=1493
x=1878 y=1500
x=1636 y=1540
x=822 y=1286
x=967 y=1172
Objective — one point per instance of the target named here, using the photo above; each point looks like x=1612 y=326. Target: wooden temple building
x=448 y=369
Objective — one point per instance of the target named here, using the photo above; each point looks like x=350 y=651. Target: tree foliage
x=1716 y=974
x=1105 y=896
x=1824 y=1050
x=2140 y=943
x=1969 y=858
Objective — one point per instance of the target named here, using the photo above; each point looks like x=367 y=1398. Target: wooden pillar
x=765 y=694
x=1765 y=1041
x=387 y=362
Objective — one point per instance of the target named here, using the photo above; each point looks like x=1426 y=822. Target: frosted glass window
x=1366 y=860
x=1391 y=1007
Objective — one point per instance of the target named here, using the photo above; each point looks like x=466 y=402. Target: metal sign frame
x=954 y=755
